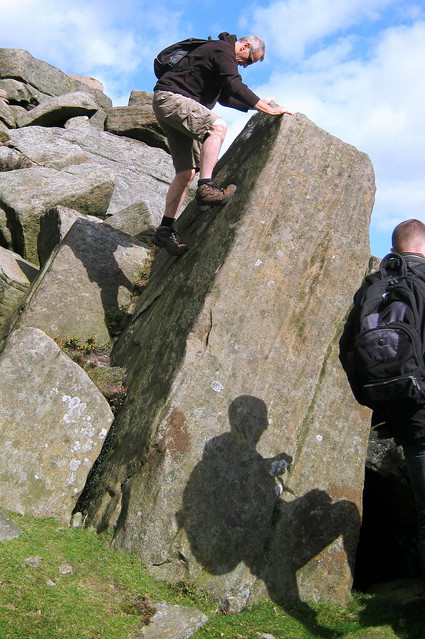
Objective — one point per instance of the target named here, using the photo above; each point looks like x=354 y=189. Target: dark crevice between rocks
x=387 y=549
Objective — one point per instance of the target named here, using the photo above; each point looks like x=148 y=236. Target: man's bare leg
x=165 y=235
x=211 y=148
x=177 y=192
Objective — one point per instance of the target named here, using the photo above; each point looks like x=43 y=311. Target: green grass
x=111 y=596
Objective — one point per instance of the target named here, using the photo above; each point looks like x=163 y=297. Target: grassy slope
x=110 y=595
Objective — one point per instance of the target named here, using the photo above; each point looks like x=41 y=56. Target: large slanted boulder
x=86 y=285
x=53 y=421
x=233 y=377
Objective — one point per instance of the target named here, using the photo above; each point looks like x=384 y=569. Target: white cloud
x=100 y=38
x=291 y=26
x=377 y=104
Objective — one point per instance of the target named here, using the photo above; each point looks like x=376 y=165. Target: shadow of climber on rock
x=229 y=500
x=234 y=510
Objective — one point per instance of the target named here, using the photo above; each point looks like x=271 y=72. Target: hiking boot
x=166 y=237
x=209 y=195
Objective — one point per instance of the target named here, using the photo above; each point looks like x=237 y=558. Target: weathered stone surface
x=53 y=421
x=16 y=275
x=91 y=82
x=54 y=225
x=19 y=65
x=8 y=529
x=19 y=93
x=248 y=379
x=57 y=110
x=10 y=159
x=86 y=285
x=138 y=122
x=136 y=220
x=173 y=622
x=140 y=98
x=26 y=194
x=6 y=114
x=82 y=120
x=142 y=173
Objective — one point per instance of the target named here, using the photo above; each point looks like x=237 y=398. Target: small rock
x=49 y=582
x=8 y=529
x=77 y=520
x=34 y=562
x=65 y=569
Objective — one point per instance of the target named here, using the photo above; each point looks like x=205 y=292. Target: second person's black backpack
x=388 y=358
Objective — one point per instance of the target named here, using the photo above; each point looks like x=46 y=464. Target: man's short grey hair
x=256 y=43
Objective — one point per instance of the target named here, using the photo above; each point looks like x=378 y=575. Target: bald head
x=409 y=237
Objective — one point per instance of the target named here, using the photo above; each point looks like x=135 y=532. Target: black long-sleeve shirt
x=209 y=74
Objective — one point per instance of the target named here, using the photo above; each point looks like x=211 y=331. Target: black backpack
x=168 y=58
x=387 y=362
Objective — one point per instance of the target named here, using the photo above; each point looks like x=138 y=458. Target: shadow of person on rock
x=229 y=500
x=233 y=512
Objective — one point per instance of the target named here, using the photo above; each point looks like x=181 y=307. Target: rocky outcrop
x=236 y=459
x=233 y=375
x=53 y=421
x=136 y=173
x=86 y=285
x=28 y=81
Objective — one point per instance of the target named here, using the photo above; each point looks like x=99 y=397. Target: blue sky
x=354 y=67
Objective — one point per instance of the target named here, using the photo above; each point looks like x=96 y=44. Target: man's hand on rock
x=269 y=106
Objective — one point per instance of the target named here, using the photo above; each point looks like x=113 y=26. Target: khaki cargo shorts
x=185 y=123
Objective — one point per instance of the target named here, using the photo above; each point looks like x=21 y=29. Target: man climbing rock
x=182 y=102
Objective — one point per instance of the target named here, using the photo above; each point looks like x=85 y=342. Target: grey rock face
x=26 y=194
x=8 y=529
x=140 y=98
x=141 y=173
x=136 y=220
x=138 y=122
x=46 y=80
x=56 y=111
x=6 y=114
x=247 y=378
x=16 y=275
x=86 y=283
x=53 y=422
x=54 y=225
